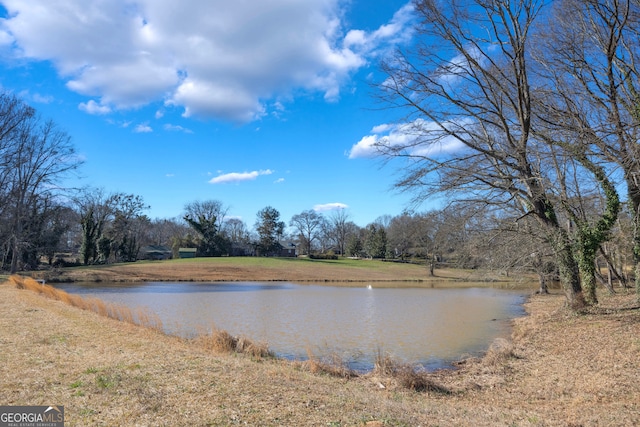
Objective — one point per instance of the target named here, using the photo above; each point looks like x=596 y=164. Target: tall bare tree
x=592 y=57
x=309 y=224
x=210 y=210
x=401 y=234
x=468 y=87
x=38 y=157
x=340 y=228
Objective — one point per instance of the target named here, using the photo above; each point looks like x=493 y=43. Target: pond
x=425 y=326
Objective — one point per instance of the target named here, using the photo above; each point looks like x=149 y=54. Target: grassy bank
x=558 y=368
x=273 y=269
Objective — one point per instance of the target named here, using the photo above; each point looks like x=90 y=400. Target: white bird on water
x=369 y=287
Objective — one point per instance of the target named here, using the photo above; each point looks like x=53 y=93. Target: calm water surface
x=430 y=327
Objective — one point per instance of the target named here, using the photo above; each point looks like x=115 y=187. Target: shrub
x=221 y=341
x=332 y=365
x=406 y=375
x=329 y=255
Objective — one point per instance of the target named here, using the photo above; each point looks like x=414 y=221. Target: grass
x=216 y=340
x=332 y=365
x=407 y=376
x=300 y=270
x=141 y=317
x=220 y=341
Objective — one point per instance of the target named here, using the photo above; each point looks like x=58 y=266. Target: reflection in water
x=416 y=325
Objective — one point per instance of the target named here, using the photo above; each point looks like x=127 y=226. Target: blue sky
x=254 y=103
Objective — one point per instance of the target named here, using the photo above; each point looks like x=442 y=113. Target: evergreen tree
x=376 y=241
x=270 y=229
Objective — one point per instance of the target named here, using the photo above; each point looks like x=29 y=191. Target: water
x=429 y=327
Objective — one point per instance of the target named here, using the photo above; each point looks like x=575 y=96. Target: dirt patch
x=559 y=368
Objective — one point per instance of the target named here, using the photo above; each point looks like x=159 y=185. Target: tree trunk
x=637 y=273
x=634 y=200
x=608 y=282
x=613 y=271
x=568 y=268
x=542 y=279
x=588 y=279
x=636 y=251
x=14 y=256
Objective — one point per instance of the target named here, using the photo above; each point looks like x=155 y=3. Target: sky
x=253 y=103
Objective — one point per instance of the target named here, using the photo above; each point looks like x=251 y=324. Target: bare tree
x=162 y=230
x=209 y=209
x=13 y=114
x=591 y=59
x=128 y=227
x=309 y=224
x=467 y=86
x=236 y=230
x=400 y=233
x=40 y=157
x=340 y=229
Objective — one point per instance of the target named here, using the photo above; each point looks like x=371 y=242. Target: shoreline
x=558 y=368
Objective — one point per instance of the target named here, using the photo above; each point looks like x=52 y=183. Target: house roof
x=156 y=248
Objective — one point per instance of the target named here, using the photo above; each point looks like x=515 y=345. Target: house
x=287 y=249
x=187 y=252
x=280 y=249
x=154 y=252
x=242 y=249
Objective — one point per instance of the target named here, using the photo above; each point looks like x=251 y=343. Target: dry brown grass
x=222 y=342
x=138 y=316
x=558 y=369
x=332 y=365
x=405 y=375
x=216 y=340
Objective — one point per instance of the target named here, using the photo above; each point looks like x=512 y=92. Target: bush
x=323 y=256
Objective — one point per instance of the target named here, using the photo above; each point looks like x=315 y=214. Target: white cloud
x=326 y=207
x=176 y=128
x=42 y=99
x=235 y=177
x=211 y=58
x=92 y=107
x=419 y=137
x=278 y=181
x=366 y=147
x=36 y=97
x=398 y=30
x=382 y=128
x=143 y=128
